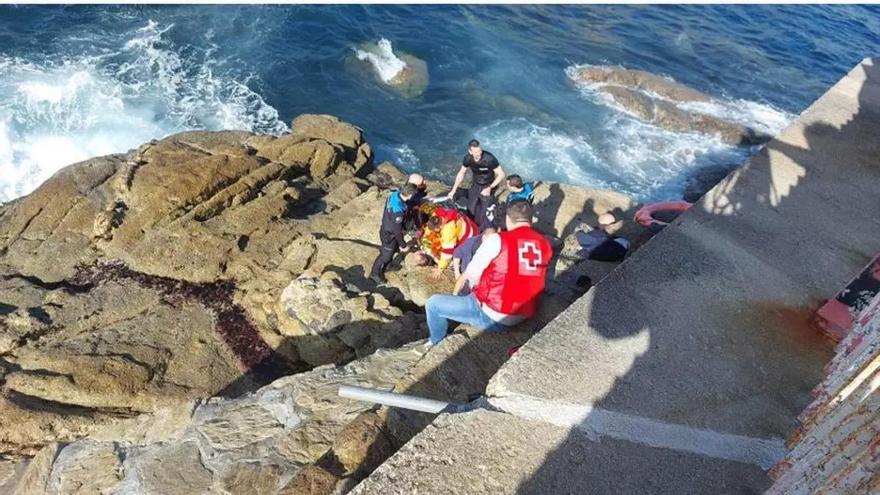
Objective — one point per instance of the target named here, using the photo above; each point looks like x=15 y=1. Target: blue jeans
x=465 y=309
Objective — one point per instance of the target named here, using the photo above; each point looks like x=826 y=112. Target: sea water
x=83 y=81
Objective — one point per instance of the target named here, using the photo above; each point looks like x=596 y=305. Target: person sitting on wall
x=599 y=245
x=507 y=274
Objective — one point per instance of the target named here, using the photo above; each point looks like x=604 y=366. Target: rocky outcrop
x=210 y=264
x=656 y=100
x=403 y=73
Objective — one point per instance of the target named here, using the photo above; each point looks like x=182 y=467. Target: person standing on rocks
x=391 y=231
x=507 y=276
x=487 y=175
x=410 y=221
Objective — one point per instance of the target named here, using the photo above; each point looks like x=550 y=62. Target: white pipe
x=392 y=399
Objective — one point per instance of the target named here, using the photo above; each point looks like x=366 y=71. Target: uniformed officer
x=391 y=231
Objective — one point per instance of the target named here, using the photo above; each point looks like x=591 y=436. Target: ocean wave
x=386 y=64
x=58 y=111
x=535 y=152
x=653 y=162
x=759 y=116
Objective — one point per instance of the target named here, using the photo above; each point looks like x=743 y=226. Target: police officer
x=488 y=174
x=391 y=231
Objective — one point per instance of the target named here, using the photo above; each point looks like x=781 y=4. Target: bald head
x=606 y=219
x=416 y=179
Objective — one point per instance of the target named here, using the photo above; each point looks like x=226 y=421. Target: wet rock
x=412 y=79
x=655 y=100
x=702 y=180
x=639 y=80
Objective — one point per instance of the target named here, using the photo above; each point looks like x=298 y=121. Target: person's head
x=519 y=213
x=416 y=179
x=606 y=220
x=435 y=222
x=515 y=183
x=407 y=191
x=488 y=231
x=474 y=149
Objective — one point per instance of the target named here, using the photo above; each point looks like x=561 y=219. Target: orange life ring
x=645 y=214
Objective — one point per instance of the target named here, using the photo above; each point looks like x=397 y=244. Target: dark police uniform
x=390 y=233
x=411 y=219
x=484 y=174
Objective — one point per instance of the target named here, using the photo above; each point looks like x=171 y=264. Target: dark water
x=80 y=81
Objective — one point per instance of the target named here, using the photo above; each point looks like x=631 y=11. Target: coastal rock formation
x=656 y=100
x=403 y=73
x=211 y=264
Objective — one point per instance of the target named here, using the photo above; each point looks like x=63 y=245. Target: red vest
x=514 y=280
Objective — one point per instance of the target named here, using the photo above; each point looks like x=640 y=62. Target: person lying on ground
x=455 y=228
x=507 y=274
x=599 y=245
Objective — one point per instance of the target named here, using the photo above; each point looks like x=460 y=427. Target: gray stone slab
x=708 y=325
x=487 y=452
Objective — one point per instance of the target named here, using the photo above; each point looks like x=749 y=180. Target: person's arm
x=458 y=178
x=489 y=249
x=456 y=266
x=397 y=229
x=499 y=177
x=459 y=285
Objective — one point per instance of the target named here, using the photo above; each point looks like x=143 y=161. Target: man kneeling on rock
x=507 y=274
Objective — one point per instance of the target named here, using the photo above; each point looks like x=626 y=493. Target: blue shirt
x=528 y=194
x=465 y=251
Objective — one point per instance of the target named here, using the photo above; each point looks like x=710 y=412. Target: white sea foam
x=536 y=152
x=651 y=162
x=54 y=112
x=383 y=59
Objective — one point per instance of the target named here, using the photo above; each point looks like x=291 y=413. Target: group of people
x=500 y=261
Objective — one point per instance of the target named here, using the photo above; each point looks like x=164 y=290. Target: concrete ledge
x=487 y=452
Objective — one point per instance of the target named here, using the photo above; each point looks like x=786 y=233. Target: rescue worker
x=487 y=175
x=455 y=228
x=507 y=276
x=517 y=190
x=411 y=220
x=391 y=231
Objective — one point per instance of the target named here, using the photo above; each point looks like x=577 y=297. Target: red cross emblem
x=529 y=256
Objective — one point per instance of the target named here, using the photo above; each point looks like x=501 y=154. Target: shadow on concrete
x=722 y=302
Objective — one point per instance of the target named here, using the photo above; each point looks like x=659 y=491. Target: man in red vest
x=507 y=274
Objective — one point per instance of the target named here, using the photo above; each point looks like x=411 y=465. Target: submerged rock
x=405 y=74
x=655 y=100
